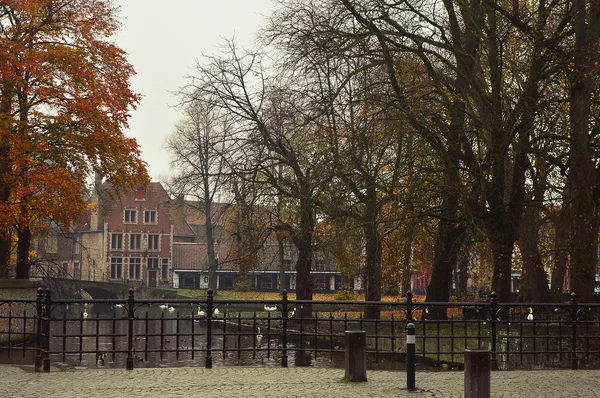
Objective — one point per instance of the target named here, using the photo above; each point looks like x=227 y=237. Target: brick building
x=146 y=238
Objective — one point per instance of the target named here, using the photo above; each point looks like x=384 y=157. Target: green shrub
x=242 y=285
x=345 y=293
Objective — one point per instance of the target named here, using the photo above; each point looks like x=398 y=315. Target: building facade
x=146 y=238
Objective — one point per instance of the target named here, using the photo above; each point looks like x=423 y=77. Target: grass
x=253 y=295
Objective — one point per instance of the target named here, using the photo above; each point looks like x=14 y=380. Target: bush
x=345 y=293
x=242 y=285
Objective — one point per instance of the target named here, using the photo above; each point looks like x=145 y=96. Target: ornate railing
x=128 y=333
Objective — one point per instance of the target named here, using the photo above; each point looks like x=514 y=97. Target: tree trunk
x=303 y=242
x=4 y=256
x=6 y=96
x=373 y=253
x=304 y=284
x=406 y=259
x=282 y=284
x=5 y=243
x=561 y=259
x=582 y=170
x=210 y=248
x=448 y=243
x=461 y=275
x=23 y=244
x=533 y=268
x=502 y=253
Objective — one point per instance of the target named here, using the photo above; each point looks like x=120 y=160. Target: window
x=153 y=242
x=165 y=269
x=153 y=263
x=269 y=282
x=77 y=244
x=76 y=271
x=135 y=241
x=320 y=282
x=130 y=216
x=116 y=268
x=150 y=217
x=134 y=268
x=65 y=269
x=116 y=241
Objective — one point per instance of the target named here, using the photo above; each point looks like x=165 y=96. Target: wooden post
x=356 y=355
x=477 y=374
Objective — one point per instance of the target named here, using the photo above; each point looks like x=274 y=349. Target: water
x=95 y=335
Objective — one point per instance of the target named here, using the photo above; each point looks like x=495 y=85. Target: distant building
x=127 y=240
x=146 y=238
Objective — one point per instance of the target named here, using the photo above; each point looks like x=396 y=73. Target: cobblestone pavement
x=15 y=382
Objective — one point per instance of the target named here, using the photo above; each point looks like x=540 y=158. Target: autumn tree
x=64 y=102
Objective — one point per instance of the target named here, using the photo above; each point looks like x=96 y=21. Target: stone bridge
x=70 y=288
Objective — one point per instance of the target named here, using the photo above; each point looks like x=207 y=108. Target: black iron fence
x=128 y=333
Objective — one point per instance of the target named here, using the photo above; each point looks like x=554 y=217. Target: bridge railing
x=130 y=333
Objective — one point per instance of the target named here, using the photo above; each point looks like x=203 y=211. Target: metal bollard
x=410 y=357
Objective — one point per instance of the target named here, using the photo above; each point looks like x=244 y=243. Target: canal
x=96 y=335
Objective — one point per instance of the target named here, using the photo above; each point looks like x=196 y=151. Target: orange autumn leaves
x=65 y=98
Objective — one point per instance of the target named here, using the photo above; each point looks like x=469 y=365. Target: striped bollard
x=410 y=357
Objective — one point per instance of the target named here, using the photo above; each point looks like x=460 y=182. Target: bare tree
x=273 y=142
x=199 y=147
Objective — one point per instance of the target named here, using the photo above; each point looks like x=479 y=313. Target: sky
x=164 y=41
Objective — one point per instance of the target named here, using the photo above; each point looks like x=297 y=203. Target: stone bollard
x=356 y=355
x=477 y=374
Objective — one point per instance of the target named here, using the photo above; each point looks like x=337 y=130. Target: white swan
x=171 y=309
x=85 y=314
x=270 y=308
x=259 y=337
x=201 y=312
x=216 y=311
x=530 y=316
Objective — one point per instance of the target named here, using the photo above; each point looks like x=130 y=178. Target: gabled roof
x=189 y=256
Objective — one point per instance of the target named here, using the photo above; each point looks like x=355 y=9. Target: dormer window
x=139 y=194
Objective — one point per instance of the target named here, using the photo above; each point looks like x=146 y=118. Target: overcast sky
x=164 y=40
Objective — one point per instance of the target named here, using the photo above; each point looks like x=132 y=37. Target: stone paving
x=16 y=382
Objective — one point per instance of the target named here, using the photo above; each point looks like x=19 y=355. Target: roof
x=189 y=256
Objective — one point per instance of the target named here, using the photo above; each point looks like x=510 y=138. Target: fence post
x=410 y=357
x=409 y=316
x=130 y=317
x=39 y=335
x=284 y=318
x=493 y=319
x=477 y=374
x=209 y=317
x=47 y=312
x=573 y=302
x=355 y=355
